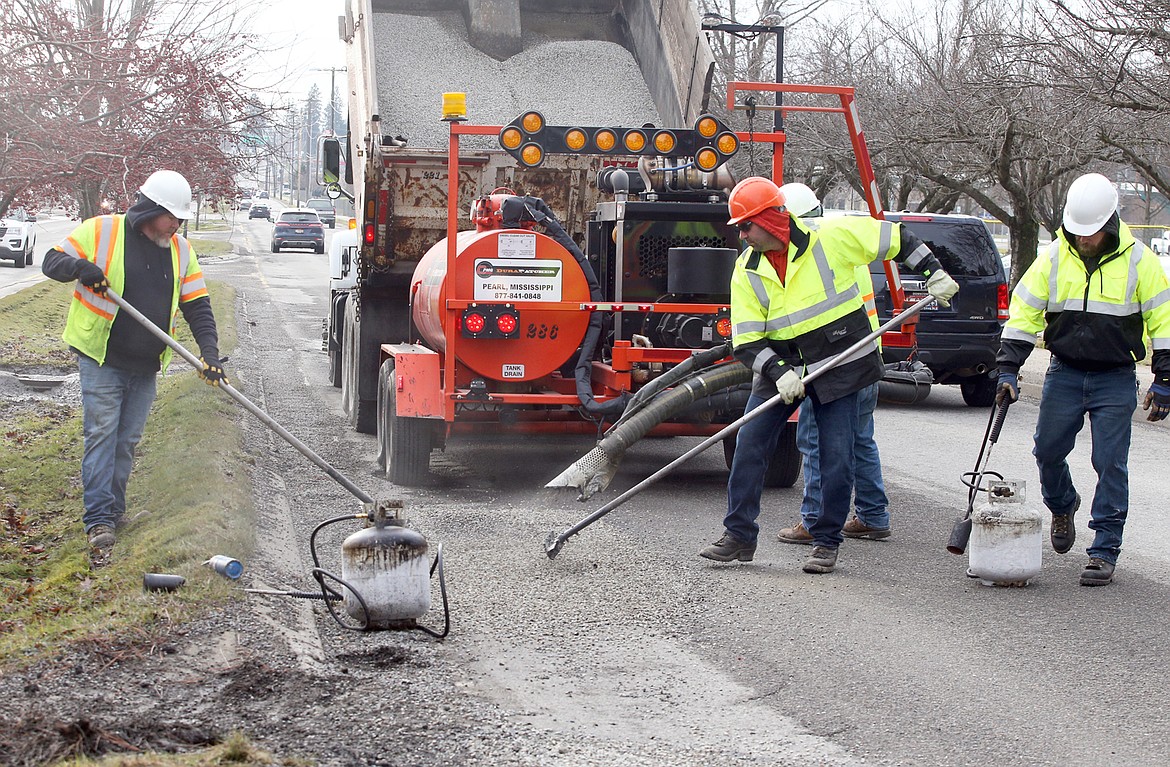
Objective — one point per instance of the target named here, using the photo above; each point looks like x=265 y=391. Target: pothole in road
x=56 y=386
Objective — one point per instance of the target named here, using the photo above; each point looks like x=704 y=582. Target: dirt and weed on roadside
x=189 y=495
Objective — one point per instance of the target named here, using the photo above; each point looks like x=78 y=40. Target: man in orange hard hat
x=795 y=304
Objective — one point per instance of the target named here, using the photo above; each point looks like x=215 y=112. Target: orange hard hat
x=752 y=196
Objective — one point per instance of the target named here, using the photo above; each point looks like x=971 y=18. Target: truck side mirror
x=330 y=160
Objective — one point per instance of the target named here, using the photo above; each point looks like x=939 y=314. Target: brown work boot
x=855 y=528
x=795 y=534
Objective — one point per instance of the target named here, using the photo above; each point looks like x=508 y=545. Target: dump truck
x=531 y=262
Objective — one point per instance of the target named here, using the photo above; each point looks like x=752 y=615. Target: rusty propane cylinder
x=510 y=265
x=387 y=565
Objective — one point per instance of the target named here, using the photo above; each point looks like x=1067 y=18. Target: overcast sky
x=298 y=36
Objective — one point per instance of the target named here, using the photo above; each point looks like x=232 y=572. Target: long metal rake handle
x=555 y=542
x=248 y=405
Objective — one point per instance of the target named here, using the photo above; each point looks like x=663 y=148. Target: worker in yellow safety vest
x=141 y=256
x=871 y=515
x=796 y=304
x=1093 y=294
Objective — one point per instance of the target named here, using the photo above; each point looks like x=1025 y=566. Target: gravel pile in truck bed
x=586 y=82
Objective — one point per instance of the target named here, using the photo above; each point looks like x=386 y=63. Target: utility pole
x=332 y=94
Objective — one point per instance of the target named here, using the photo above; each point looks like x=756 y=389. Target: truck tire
x=348 y=372
x=18 y=262
x=335 y=368
x=362 y=413
x=404 y=444
x=979 y=392
x=364 y=338
x=336 y=326
x=784 y=468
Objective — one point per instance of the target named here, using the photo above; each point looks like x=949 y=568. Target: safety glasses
x=744 y=226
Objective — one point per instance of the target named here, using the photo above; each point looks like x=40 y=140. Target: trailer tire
x=784 y=468
x=385 y=375
x=404 y=443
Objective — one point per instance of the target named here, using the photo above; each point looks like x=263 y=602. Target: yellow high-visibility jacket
x=818 y=312
x=101 y=240
x=1091 y=321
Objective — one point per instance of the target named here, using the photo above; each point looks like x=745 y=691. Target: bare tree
x=101 y=93
x=957 y=105
x=1117 y=54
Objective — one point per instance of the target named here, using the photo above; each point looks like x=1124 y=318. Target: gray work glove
x=942 y=287
x=789 y=387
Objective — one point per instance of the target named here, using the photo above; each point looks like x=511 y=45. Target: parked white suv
x=18 y=237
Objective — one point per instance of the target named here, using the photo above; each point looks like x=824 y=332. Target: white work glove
x=942 y=287
x=790 y=387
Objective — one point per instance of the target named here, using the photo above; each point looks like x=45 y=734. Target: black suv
x=958 y=343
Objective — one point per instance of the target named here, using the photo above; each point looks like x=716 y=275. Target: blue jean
x=115 y=404
x=756 y=442
x=869 y=492
x=1109 y=398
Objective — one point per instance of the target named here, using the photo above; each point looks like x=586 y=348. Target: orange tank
x=510 y=265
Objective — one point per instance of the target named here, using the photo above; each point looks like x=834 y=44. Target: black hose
x=330 y=595
x=438 y=565
x=319 y=574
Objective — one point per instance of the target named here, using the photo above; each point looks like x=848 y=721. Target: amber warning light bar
x=710 y=142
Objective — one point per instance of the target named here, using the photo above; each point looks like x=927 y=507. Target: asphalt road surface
x=629 y=649
x=895 y=658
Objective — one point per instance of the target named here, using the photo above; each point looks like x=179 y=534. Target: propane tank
x=504 y=265
x=1006 y=538
x=387 y=565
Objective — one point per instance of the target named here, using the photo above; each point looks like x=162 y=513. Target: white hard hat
x=1091 y=201
x=801 y=200
x=170 y=190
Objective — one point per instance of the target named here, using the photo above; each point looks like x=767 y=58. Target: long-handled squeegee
x=554 y=542
x=251 y=407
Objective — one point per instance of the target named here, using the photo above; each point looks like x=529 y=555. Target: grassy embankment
x=190 y=473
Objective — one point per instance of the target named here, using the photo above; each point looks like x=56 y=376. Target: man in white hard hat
x=1093 y=294
x=871 y=517
x=141 y=256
